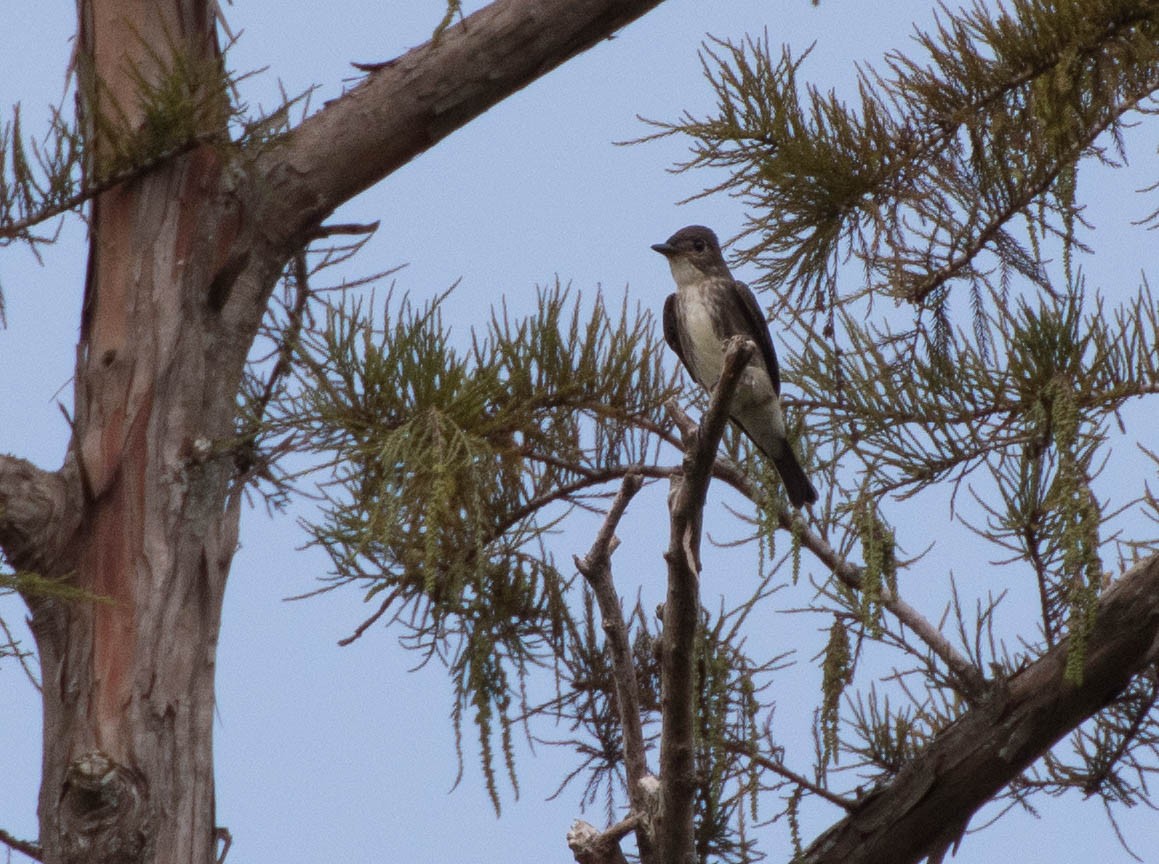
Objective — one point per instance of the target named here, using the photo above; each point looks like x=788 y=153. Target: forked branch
x=596 y=568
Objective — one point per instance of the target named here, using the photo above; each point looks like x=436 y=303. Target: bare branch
x=591 y=846
x=682 y=614
x=382 y=609
x=747 y=750
x=21 y=656
x=596 y=568
x=409 y=104
x=38 y=511
x=24 y=847
x=971 y=680
x=355 y=228
x=288 y=339
x=226 y=840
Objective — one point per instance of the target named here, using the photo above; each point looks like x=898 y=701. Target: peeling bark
x=128 y=675
x=128 y=678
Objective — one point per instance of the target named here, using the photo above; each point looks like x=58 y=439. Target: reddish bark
x=128 y=678
x=128 y=693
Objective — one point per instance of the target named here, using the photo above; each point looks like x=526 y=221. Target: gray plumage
x=708 y=308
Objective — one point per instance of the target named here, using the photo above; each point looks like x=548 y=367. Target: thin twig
x=21 y=656
x=250 y=463
x=345 y=228
x=745 y=749
x=226 y=839
x=288 y=343
x=383 y=608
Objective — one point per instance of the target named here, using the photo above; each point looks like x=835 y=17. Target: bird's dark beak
x=665 y=249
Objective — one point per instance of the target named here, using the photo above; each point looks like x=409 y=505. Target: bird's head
x=694 y=247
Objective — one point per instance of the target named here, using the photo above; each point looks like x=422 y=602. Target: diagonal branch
x=969 y=677
x=749 y=751
x=408 y=104
x=965 y=674
x=675 y=837
x=596 y=568
x=923 y=811
x=25 y=847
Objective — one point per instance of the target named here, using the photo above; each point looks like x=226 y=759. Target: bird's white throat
x=685 y=274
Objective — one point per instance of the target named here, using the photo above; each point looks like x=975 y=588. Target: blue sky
x=343 y=754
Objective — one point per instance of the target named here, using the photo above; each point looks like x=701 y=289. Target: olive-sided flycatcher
x=708 y=308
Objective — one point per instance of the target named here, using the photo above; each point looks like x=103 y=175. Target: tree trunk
x=128 y=673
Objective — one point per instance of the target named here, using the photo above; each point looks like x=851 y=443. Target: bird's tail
x=800 y=490
x=766 y=429
x=763 y=432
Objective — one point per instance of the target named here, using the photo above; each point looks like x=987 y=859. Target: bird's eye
x=698 y=245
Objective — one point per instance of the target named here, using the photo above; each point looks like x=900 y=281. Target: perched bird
x=708 y=308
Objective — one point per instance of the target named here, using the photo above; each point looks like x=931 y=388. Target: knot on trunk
x=103 y=812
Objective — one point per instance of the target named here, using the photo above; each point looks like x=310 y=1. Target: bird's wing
x=759 y=329
x=671 y=331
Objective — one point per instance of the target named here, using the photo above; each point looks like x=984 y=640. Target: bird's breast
x=704 y=346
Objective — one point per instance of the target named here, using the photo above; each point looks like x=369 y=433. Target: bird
x=710 y=307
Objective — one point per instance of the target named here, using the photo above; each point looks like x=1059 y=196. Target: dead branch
x=675 y=839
